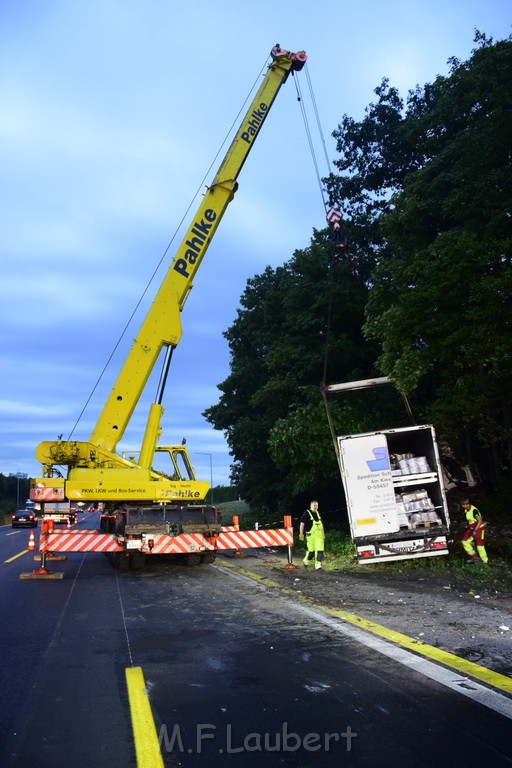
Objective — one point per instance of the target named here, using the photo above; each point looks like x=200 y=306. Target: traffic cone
x=32 y=541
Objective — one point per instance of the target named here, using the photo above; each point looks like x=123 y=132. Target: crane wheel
x=120 y=561
x=193 y=558
x=137 y=561
x=208 y=557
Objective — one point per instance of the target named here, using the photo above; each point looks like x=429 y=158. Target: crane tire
x=192 y=559
x=120 y=561
x=137 y=561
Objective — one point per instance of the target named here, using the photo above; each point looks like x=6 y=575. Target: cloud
x=13 y=408
x=111 y=115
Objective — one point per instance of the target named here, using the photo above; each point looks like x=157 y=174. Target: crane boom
x=162 y=326
x=95 y=471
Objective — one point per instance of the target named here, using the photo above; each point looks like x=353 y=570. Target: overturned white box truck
x=393 y=483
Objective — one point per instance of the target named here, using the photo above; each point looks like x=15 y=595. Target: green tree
x=428 y=183
x=270 y=406
x=441 y=301
x=375 y=157
x=423 y=295
x=13 y=488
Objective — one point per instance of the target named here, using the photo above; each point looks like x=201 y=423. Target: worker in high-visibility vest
x=312 y=528
x=475 y=534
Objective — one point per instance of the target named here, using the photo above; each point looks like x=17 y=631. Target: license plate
x=133 y=544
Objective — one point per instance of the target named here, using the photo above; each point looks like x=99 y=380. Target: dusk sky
x=111 y=114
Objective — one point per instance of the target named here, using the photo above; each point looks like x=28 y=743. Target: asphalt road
x=237 y=675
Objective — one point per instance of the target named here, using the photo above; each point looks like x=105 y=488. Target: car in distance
x=24 y=517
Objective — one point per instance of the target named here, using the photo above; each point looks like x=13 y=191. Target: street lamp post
x=19 y=476
x=199 y=453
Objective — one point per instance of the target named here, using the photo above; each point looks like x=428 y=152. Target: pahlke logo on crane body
x=199 y=233
x=200 y=230
x=256 y=118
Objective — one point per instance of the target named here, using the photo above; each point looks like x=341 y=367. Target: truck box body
x=59 y=512
x=395 y=495
x=57 y=506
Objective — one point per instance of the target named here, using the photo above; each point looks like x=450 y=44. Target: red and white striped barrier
x=162 y=544
x=45 y=493
x=177 y=545
x=80 y=541
x=193 y=542
x=281 y=537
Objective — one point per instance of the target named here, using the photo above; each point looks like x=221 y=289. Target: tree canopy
x=432 y=177
x=441 y=301
x=423 y=296
x=271 y=408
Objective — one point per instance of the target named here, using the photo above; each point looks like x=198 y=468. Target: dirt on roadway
x=443 y=608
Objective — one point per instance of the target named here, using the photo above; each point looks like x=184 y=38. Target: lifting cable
x=308 y=131
x=202 y=184
x=333 y=216
x=338 y=241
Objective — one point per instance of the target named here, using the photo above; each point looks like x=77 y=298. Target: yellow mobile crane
x=95 y=472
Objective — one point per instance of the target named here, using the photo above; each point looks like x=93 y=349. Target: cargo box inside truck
x=394 y=491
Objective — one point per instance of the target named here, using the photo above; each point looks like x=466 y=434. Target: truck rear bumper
x=403 y=548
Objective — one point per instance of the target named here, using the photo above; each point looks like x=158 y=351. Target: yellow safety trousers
x=315 y=539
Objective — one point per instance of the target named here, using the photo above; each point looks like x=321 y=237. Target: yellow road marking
x=495 y=679
x=147 y=748
x=16 y=556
